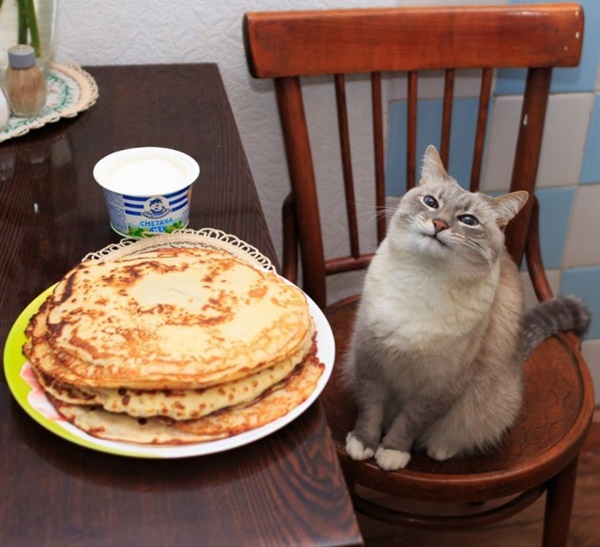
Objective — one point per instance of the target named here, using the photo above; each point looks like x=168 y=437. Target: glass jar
x=25 y=84
x=4 y=110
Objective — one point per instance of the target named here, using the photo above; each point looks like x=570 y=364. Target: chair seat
x=554 y=421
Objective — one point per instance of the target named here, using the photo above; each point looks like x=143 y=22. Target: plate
x=70 y=90
x=24 y=387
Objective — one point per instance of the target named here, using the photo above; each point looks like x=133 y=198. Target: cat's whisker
x=480 y=251
x=376 y=213
x=374 y=216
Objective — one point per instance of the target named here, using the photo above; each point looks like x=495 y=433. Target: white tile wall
x=565 y=132
x=564 y=138
x=582 y=246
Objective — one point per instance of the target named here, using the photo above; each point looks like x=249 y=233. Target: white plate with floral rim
x=31 y=397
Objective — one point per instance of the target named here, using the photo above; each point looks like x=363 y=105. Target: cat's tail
x=553 y=316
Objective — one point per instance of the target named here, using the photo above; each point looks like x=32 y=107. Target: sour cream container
x=147 y=189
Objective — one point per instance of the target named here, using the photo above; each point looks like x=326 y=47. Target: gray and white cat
x=440 y=335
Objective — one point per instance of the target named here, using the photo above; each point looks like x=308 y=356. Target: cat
x=440 y=334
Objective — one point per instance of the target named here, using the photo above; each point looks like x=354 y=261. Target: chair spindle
x=482 y=115
x=411 y=129
x=379 y=154
x=526 y=163
x=447 y=116
x=343 y=126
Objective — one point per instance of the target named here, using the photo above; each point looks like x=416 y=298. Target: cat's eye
x=469 y=220
x=430 y=201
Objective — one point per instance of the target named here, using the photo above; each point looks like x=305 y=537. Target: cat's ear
x=433 y=168
x=508 y=206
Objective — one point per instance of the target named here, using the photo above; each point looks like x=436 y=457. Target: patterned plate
x=28 y=393
x=70 y=91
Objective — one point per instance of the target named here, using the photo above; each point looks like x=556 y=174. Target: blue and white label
x=135 y=216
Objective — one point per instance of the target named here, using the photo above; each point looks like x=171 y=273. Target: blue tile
x=581 y=78
x=429 y=123
x=510 y=81
x=555 y=212
x=590 y=169
x=585 y=283
x=395 y=171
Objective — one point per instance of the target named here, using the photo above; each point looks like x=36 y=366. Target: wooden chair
x=540 y=454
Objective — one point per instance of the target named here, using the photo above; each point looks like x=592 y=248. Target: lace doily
x=205 y=237
x=70 y=91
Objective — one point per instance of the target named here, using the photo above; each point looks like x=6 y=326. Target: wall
x=130 y=32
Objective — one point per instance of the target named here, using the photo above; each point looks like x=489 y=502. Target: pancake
x=175 y=404
x=280 y=400
x=124 y=428
x=178 y=319
x=232 y=421
x=173 y=346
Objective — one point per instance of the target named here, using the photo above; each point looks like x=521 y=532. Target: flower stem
x=22 y=29
x=33 y=28
x=28 y=26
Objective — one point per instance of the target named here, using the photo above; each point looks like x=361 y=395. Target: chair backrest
x=288 y=45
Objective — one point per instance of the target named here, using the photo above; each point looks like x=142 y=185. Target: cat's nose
x=439 y=225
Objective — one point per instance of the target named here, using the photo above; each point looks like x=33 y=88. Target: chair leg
x=559 y=505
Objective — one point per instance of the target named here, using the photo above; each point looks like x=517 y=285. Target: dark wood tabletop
x=284 y=489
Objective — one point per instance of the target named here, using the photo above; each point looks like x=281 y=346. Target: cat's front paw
x=391 y=460
x=356 y=449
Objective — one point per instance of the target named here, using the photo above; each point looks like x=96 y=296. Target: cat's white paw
x=356 y=449
x=390 y=460
x=440 y=454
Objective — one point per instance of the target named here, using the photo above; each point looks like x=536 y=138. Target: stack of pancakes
x=176 y=345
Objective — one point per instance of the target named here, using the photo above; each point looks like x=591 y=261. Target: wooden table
x=284 y=489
